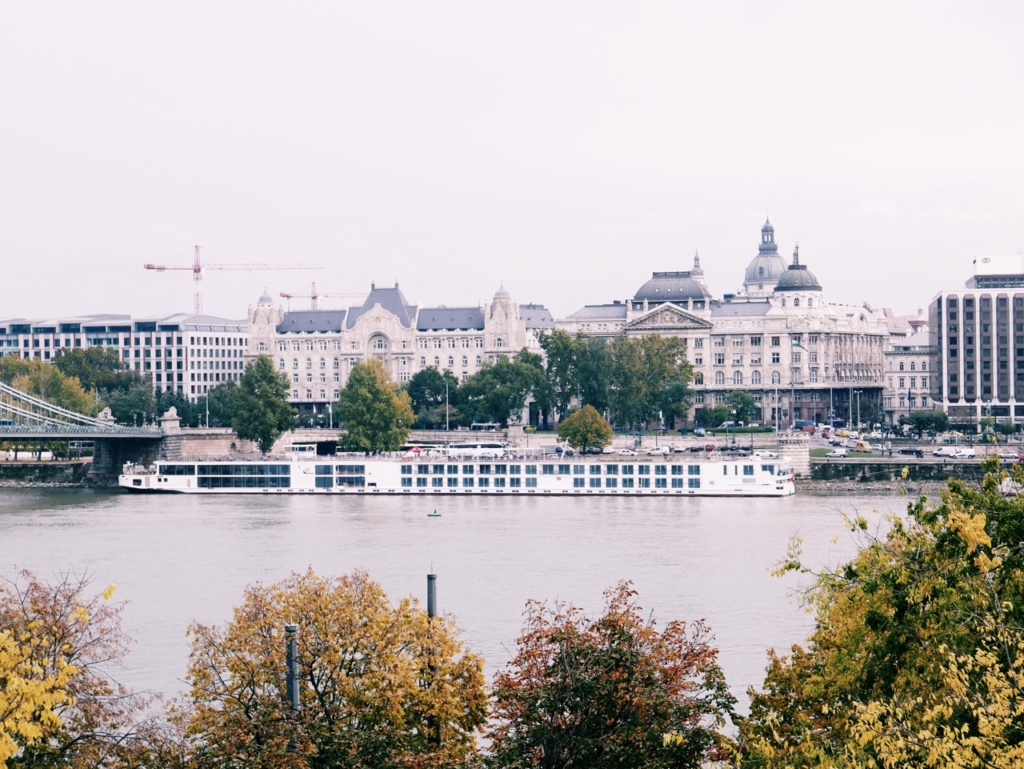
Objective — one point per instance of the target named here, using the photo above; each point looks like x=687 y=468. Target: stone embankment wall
x=31 y=472
x=202 y=443
x=876 y=471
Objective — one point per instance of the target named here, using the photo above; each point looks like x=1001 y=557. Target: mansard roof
x=450 y=319
x=390 y=299
x=739 y=309
x=536 y=316
x=614 y=311
x=312 y=321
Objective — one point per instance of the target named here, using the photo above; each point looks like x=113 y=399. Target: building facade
x=800 y=357
x=188 y=354
x=977 y=336
x=317 y=349
x=908 y=372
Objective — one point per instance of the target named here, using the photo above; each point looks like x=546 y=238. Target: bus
x=485 y=427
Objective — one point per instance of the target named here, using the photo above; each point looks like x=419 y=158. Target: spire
x=796 y=254
x=696 y=271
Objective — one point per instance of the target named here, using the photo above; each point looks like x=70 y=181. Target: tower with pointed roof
x=767 y=267
x=263 y=322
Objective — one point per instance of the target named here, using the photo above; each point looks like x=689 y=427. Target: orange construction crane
x=313 y=296
x=198 y=267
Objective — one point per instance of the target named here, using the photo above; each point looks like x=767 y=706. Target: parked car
x=657 y=451
x=910 y=451
x=766 y=454
x=962 y=453
x=608 y=450
x=945 y=451
x=837 y=453
x=699 y=432
x=681 y=449
x=696 y=448
x=626 y=453
x=1011 y=456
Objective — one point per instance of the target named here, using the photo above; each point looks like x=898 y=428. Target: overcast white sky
x=567 y=148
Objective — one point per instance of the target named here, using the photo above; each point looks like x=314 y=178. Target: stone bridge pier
x=110 y=454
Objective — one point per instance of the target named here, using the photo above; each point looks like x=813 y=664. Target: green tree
x=561 y=368
x=899 y=670
x=261 y=408
x=97 y=368
x=187 y=411
x=649 y=377
x=498 y=391
x=133 y=404
x=594 y=379
x=380 y=686
x=48 y=383
x=712 y=416
x=429 y=391
x=743 y=403
x=924 y=421
x=612 y=692
x=375 y=414
x=585 y=429
x=222 y=404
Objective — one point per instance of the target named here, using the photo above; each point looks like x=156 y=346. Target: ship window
x=693 y=469
x=595 y=483
x=611 y=483
x=660 y=470
x=467 y=469
x=437 y=482
x=485 y=469
x=324 y=470
x=547 y=469
x=661 y=483
x=770 y=469
x=499 y=482
x=677 y=483
x=407 y=481
x=693 y=483
x=515 y=482
x=500 y=470
x=422 y=469
x=406 y=469
x=595 y=469
x=578 y=483
x=563 y=469
x=350 y=469
x=748 y=469
x=677 y=469
x=643 y=470
x=322 y=481
x=627 y=470
x=627 y=483
x=531 y=482
x=467 y=483
x=485 y=482
x=514 y=470
x=421 y=482
x=611 y=470
x=452 y=482
x=578 y=469
x=438 y=469
x=453 y=469
x=531 y=470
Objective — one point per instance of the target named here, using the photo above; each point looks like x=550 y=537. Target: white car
x=965 y=454
x=608 y=450
x=626 y=453
x=837 y=453
x=658 y=451
x=763 y=454
x=1010 y=455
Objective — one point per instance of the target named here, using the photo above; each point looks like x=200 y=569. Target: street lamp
x=857 y=393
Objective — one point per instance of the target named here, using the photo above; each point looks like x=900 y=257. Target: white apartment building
x=186 y=353
x=908 y=371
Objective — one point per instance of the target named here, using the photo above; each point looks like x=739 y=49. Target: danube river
x=176 y=559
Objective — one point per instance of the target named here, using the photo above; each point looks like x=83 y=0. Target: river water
x=176 y=559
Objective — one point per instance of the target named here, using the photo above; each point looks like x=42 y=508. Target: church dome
x=768 y=266
x=502 y=293
x=671 y=287
x=798 y=277
x=265 y=299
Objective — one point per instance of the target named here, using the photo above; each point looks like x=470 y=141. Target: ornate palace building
x=317 y=349
x=801 y=357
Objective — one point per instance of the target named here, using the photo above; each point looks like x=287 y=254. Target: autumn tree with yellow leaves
x=917 y=656
x=380 y=685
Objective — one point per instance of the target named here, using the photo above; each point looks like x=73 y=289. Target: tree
x=649 y=377
x=594 y=380
x=915 y=654
x=97 y=368
x=585 y=429
x=261 y=408
x=924 y=421
x=380 y=686
x=561 y=367
x=712 y=416
x=375 y=415
x=48 y=383
x=187 y=412
x=133 y=404
x=743 y=403
x=498 y=391
x=58 y=643
x=612 y=692
x=222 y=404
x=429 y=392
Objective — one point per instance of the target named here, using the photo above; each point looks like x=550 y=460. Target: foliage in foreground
x=917 y=657
x=611 y=692
x=58 y=705
x=380 y=686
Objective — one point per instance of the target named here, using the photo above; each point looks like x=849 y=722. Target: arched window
x=719 y=377
x=783 y=301
x=379 y=343
x=755 y=378
x=737 y=377
x=776 y=377
x=699 y=379
x=901 y=365
x=796 y=301
x=810 y=303
x=912 y=365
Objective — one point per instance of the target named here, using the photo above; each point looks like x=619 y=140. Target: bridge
x=26 y=417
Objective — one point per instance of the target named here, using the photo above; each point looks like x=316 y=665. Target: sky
x=566 y=149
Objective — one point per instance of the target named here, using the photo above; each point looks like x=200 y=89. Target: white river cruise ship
x=438 y=475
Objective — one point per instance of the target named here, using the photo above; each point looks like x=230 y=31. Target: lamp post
x=330 y=416
x=857 y=393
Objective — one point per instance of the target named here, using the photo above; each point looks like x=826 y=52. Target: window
x=775 y=357
x=776 y=341
x=737 y=377
x=719 y=377
x=755 y=378
x=776 y=378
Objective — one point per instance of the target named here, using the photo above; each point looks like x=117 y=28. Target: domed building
x=767 y=267
x=798 y=287
x=682 y=288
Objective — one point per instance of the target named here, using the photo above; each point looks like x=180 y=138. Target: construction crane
x=198 y=268
x=313 y=296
